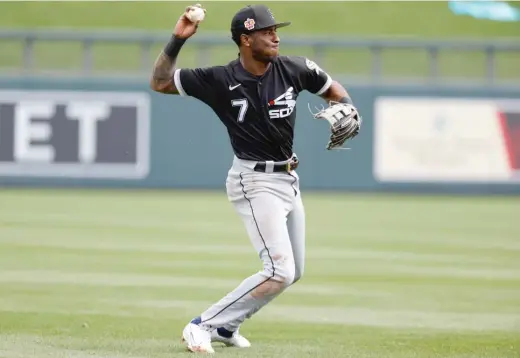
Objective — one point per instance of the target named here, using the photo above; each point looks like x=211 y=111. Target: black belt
x=277 y=168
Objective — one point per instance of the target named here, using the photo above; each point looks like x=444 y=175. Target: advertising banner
x=446 y=140
x=75 y=134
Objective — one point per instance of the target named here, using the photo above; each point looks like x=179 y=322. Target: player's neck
x=256 y=68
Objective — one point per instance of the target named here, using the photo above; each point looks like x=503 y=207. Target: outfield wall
x=106 y=133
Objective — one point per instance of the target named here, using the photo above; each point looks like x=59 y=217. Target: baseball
x=195 y=14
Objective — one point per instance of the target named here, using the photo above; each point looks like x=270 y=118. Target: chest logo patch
x=287 y=102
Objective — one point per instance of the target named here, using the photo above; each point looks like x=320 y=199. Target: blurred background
x=113 y=211
x=437 y=83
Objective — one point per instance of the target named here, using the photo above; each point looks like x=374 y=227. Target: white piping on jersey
x=177 y=81
x=325 y=86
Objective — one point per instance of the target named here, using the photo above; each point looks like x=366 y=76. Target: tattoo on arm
x=162 y=75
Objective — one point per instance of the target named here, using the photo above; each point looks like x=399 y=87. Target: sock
x=224 y=332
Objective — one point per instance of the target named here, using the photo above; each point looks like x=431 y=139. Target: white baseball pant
x=271 y=208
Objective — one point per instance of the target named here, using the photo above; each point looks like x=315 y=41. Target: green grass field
x=119 y=273
x=368 y=18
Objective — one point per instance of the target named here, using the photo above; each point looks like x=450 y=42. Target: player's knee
x=285 y=273
x=280 y=273
x=298 y=275
x=287 y=277
x=284 y=270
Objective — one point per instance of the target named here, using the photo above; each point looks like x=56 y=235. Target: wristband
x=346 y=100
x=173 y=47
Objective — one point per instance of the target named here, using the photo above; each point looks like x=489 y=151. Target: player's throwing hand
x=185 y=28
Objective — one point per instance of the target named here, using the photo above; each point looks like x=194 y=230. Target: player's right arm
x=162 y=76
x=164 y=68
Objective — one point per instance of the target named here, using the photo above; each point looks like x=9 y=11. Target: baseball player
x=254 y=96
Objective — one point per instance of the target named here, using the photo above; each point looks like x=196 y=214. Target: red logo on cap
x=249 y=24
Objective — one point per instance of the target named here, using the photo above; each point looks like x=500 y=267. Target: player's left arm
x=336 y=93
x=341 y=114
x=317 y=81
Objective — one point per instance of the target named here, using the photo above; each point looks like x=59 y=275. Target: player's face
x=264 y=46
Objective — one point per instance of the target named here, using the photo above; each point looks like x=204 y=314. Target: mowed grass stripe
x=348 y=342
x=158 y=337
x=338 y=270
x=164 y=262
x=423 y=293
x=88 y=295
x=422 y=296
x=167 y=247
x=185 y=232
x=444 y=222
x=363 y=316
x=367 y=269
x=178 y=207
x=14 y=346
x=105 y=279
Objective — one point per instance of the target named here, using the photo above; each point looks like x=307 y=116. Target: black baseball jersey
x=259 y=112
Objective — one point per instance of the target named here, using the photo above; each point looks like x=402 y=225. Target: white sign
x=438 y=139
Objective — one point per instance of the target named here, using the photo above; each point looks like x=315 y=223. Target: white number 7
x=242 y=103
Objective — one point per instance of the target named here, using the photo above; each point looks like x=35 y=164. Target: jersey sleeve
x=197 y=82
x=313 y=78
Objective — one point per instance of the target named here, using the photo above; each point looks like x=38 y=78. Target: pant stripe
x=265 y=246
x=292 y=184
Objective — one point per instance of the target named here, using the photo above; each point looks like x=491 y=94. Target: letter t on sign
x=88 y=114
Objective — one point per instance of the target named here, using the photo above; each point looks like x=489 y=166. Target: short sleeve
x=314 y=79
x=198 y=83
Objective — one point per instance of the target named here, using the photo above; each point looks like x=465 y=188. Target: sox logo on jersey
x=286 y=100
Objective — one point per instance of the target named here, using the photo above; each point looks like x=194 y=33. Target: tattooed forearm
x=162 y=74
x=164 y=67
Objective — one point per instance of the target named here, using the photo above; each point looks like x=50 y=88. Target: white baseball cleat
x=236 y=340
x=197 y=339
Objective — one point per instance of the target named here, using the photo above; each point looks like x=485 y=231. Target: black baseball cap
x=252 y=18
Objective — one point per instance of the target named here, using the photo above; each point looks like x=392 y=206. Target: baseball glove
x=344 y=120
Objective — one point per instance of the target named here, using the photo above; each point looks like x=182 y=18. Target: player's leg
x=296 y=228
x=295 y=225
x=296 y=231
x=263 y=203
x=264 y=217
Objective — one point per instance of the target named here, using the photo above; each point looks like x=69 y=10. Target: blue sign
x=486 y=9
